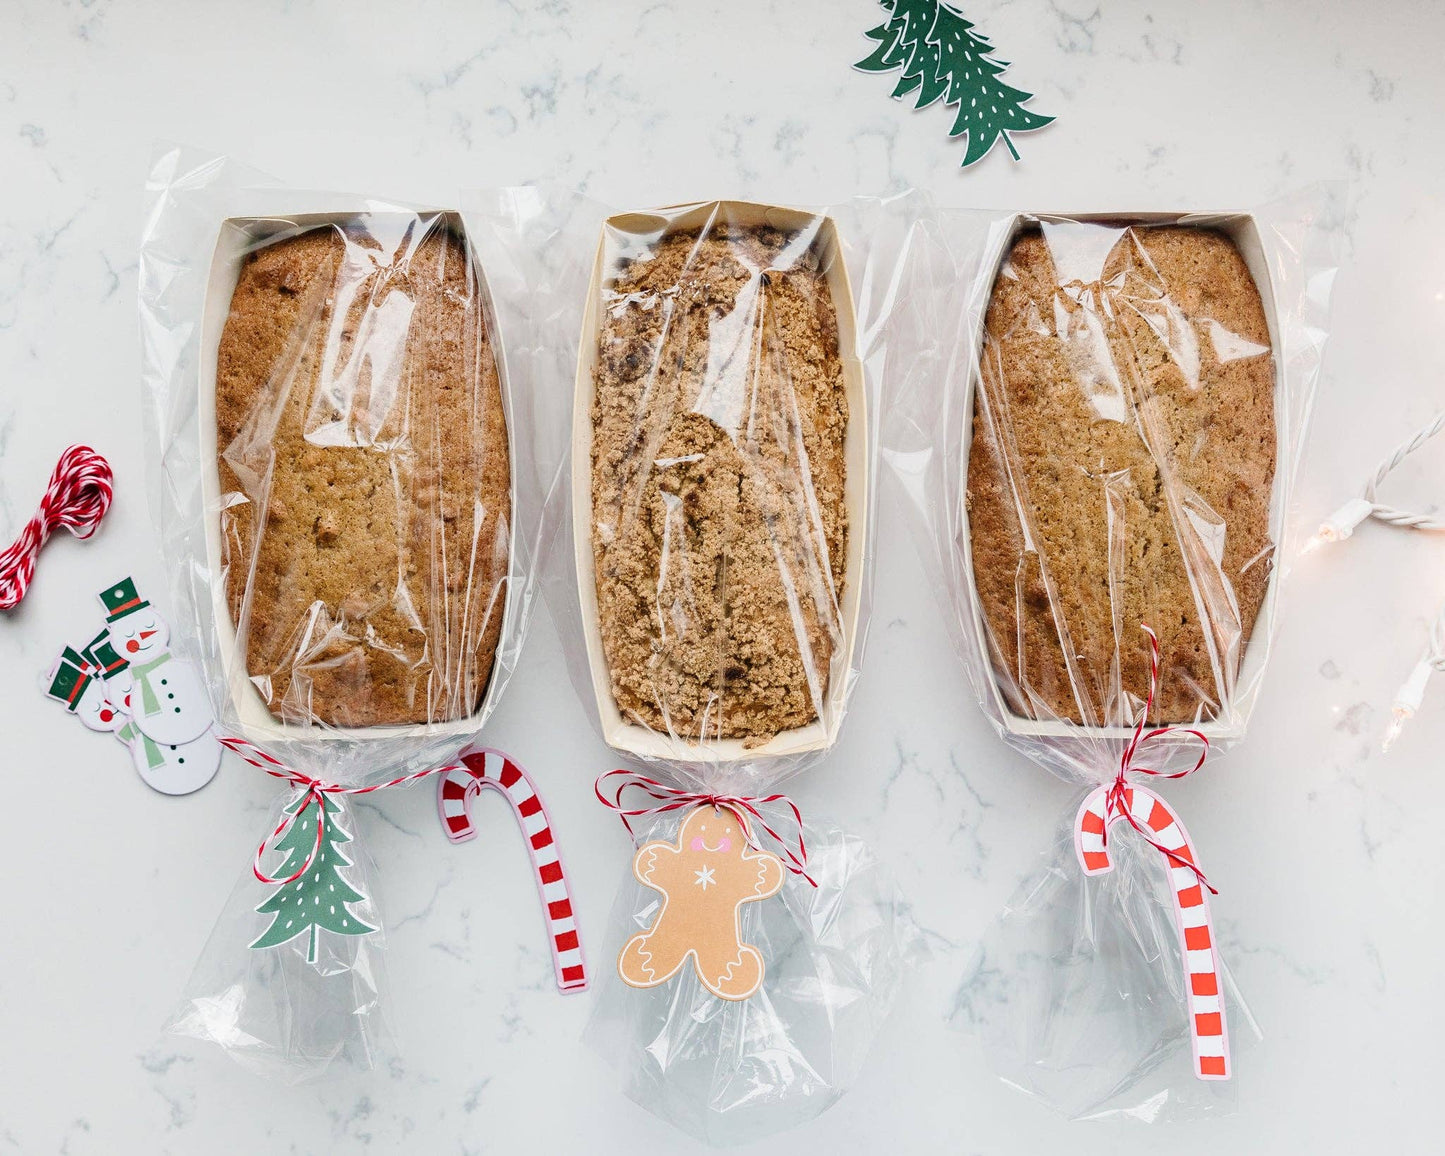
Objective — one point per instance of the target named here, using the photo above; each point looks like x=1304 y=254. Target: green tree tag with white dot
x=943 y=58
x=317 y=900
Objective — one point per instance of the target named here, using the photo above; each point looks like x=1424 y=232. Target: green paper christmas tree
x=318 y=899
x=942 y=57
x=899 y=39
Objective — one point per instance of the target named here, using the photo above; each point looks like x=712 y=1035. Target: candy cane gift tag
x=1146 y=811
x=1160 y=827
x=486 y=769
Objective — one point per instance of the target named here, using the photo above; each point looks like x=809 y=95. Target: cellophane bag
x=713 y=601
x=351 y=489
x=1100 y=464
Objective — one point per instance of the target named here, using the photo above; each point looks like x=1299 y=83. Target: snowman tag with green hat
x=114 y=669
x=168 y=702
x=98 y=686
x=77 y=683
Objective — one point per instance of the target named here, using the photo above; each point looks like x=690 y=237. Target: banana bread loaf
x=719 y=528
x=1121 y=469
x=366 y=477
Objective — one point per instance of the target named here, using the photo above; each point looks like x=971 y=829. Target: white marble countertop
x=1326 y=852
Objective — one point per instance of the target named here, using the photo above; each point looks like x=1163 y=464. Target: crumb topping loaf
x=1121 y=470
x=719 y=529
x=365 y=476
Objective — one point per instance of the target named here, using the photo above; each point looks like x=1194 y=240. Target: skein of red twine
x=77 y=498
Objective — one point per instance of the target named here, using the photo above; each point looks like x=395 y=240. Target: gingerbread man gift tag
x=704 y=878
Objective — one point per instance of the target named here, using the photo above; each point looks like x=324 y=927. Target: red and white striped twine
x=77 y=498
x=314 y=791
x=794 y=852
x=1116 y=800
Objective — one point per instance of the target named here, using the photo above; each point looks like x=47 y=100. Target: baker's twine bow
x=311 y=791
x=1115 y=804
x=77 y=498
x=611 y=786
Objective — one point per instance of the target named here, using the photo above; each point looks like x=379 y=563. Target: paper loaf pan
x=1243 y=230
x=238 y=237
x=622 y=733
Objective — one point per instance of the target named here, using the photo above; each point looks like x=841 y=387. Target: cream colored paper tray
x=621 y=733
x=1243 y=230
x=238 y=237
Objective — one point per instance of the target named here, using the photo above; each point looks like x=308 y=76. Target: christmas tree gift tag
x=312 y=893
x=704 y=878
x=943 y=57
x=168 y=702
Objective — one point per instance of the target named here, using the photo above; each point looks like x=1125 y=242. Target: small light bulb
x=1341 y=524
x=1407 y=700
x=1398 y=717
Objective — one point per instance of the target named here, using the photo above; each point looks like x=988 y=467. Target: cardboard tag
x=318 y=895
x=485 y=769
x=945 y=58
x=1208 y=1032
x=168 y=701
x=125 y=681
x=704 y=878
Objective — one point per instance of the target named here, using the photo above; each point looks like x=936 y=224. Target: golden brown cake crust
x=719 y=527
x=358 y=406
x=1132 y=419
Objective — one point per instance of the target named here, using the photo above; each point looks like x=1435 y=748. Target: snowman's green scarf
x=130 y=732
x=149 y=701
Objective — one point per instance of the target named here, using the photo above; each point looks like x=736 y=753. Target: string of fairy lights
x=1366 y=505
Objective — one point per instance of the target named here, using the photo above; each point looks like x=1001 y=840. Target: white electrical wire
x=1341 y=524
x=1412 y=691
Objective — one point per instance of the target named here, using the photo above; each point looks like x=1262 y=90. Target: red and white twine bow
x=794 y=853
x=77 y=498
x=1116 y=803
x=1161 y=828
x=312 y=791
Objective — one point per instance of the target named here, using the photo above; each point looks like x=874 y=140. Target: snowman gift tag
x=168 y=702
x=75 y=683
x=172 y=769
x=113 y=669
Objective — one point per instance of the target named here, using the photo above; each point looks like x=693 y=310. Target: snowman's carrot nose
x=146 y=633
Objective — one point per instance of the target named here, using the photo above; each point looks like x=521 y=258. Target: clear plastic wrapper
x=714 y=600
x=351 y=488
x=1078 y=995
x=731 y=1071
x=1103 y=454
x=721 y=473
x=293 y=1010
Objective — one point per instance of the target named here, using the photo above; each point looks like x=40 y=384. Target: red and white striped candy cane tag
x=487 y=769
x=1207 y=1029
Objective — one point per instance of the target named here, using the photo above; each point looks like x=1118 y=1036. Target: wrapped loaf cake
x=1121 y=470
x=719 y=527
x=365 y=476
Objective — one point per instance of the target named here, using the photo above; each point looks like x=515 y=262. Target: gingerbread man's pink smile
x=724 y=844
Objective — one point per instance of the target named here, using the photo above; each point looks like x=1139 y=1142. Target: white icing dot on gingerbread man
x=705 y=878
